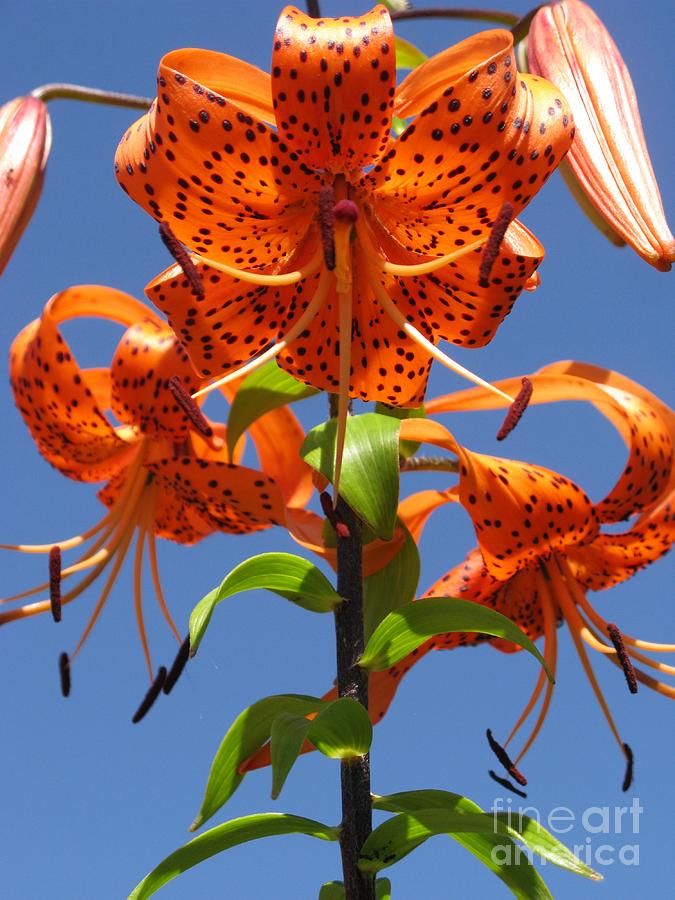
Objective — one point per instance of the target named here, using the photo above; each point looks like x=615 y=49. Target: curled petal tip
x=609 y=166
x=25 y=141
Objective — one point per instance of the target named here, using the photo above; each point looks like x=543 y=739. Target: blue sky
x=90 y=802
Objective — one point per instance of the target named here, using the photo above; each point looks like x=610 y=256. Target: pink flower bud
x=609 y=161
x=25 y=139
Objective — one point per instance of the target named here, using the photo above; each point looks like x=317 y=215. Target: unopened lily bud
x=25 y=139
x=609 y=162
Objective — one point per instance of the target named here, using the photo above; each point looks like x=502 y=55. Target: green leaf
x=398 y=836
x=332 y=890
x=519 y=875
x=401 y=837
x=335 y=890
x=383 y=889
x=392 y=586
x=246 y=735
x=408 y=56
x=341 y=730
x=370 y=467
x=406 y=448
x=292 y=577
x=407 y=628
x=268 y=388
x=222 y=837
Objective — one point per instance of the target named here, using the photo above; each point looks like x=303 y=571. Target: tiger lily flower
x=608 y=167
x=165 y=465
x=25 y=141
x=540 y=543
x=319 y=238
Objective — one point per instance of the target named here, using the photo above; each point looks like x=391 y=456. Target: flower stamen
x=182 y=257
x=505 y=759
x=55 y=582
x=152 y=694
x=196 y=417
x=283 y=279
x=493 y=243
x=326 y=205
x=177 y=666
x=630 y=760
x=622 y=656
x=505 y=783
x=516 y=410
x=64 y=673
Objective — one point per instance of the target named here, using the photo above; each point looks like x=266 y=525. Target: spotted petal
x=645 y=423
x=63 y=413
x=218 y=175
x=333 y=82
x=488 y=136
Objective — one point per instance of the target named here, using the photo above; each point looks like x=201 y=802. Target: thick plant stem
x=352 y=682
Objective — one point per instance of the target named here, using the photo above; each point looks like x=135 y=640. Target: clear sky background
x=89 y=803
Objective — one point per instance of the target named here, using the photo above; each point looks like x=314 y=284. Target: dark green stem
x=352 y=681
x=465 y=12
x=57 y=91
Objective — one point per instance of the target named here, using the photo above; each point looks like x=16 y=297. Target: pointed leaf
x=332 y=890
x=406 y=448
x=398 y=836
x=383 y=889
x=517 y=872
x=247 y=734
x=419 y=804
x=408 y=56
x=222 y=837
x=268 y=388
x=407 y=628
x=370 y=466
x=392 y=586
x=341 y=730
x=292 y=577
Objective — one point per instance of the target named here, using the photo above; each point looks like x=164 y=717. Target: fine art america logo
x=609 y=832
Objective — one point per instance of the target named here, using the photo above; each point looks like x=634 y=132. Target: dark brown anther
x=64 y=673
x=187 y=404
x=55 y=582
x=616 y=638
x=628 y=777
x=346 y=211
x=505 y=759
x=340 y=527
x=179 y=664
x=516 y=410
x=505 y=783
x=151 y=696
x=493 y=243
x=326 y=205
x=182 y=257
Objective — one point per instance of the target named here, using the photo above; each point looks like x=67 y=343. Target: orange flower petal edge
x=167 y=470
x=324 y=242
x=569 y=45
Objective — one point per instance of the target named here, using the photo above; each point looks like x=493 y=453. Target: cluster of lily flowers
x=304 y=231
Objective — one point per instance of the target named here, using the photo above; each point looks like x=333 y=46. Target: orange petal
x=489 y=135
x=231 y=498
x=220 y=177
x=570 y=45
x=645 y=423
x=454 y=304
x=613 y=558
x=146 y=358
x=59 y=409
x=386 y=365
x=333 y=82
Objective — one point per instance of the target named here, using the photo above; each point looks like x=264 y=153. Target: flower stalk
x=63 y=91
